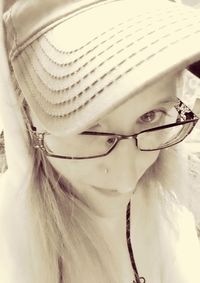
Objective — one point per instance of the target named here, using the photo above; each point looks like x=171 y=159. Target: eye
x=152 y=117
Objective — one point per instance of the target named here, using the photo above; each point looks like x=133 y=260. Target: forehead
x=162 y=91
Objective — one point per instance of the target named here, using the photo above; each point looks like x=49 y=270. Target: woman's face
x=105 y=184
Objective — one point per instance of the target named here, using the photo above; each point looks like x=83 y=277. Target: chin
x=105 y=207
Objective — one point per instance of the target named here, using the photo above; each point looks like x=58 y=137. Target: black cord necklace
x=137 y=279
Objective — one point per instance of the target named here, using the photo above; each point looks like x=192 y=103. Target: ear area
x=196 y=107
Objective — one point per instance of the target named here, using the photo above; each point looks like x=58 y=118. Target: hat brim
x=98 y=58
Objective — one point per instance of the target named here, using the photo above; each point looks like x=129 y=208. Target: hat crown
x=25 y=18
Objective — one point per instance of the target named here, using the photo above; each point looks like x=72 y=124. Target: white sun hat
x=75 y=61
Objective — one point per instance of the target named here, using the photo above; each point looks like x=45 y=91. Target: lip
x=110 y=192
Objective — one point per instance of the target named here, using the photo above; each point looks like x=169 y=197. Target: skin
x=126 y=163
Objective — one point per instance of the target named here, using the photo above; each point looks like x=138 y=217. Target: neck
x=113 y=230
x=113 y=225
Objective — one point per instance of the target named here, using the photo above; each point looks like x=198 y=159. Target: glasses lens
x=162 y=138
x=79 y=145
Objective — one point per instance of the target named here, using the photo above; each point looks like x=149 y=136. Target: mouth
x=112 y=192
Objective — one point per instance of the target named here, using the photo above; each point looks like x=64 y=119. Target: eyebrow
x=169 y=100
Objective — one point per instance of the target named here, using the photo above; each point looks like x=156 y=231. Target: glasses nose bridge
x=126 y=137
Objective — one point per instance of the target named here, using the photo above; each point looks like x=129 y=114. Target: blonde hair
x=3 y=163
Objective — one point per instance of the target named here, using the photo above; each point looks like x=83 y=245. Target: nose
x=132 y=138
x=124 y=162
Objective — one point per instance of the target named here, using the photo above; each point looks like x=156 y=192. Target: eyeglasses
x=91 y=144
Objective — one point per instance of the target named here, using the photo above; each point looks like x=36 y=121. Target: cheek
x=75 y=171
x=121 y=173
x=146 y=161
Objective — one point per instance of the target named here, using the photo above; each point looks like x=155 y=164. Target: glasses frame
x=186 y=115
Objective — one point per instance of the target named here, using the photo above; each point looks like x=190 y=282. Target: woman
x=95 y=188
